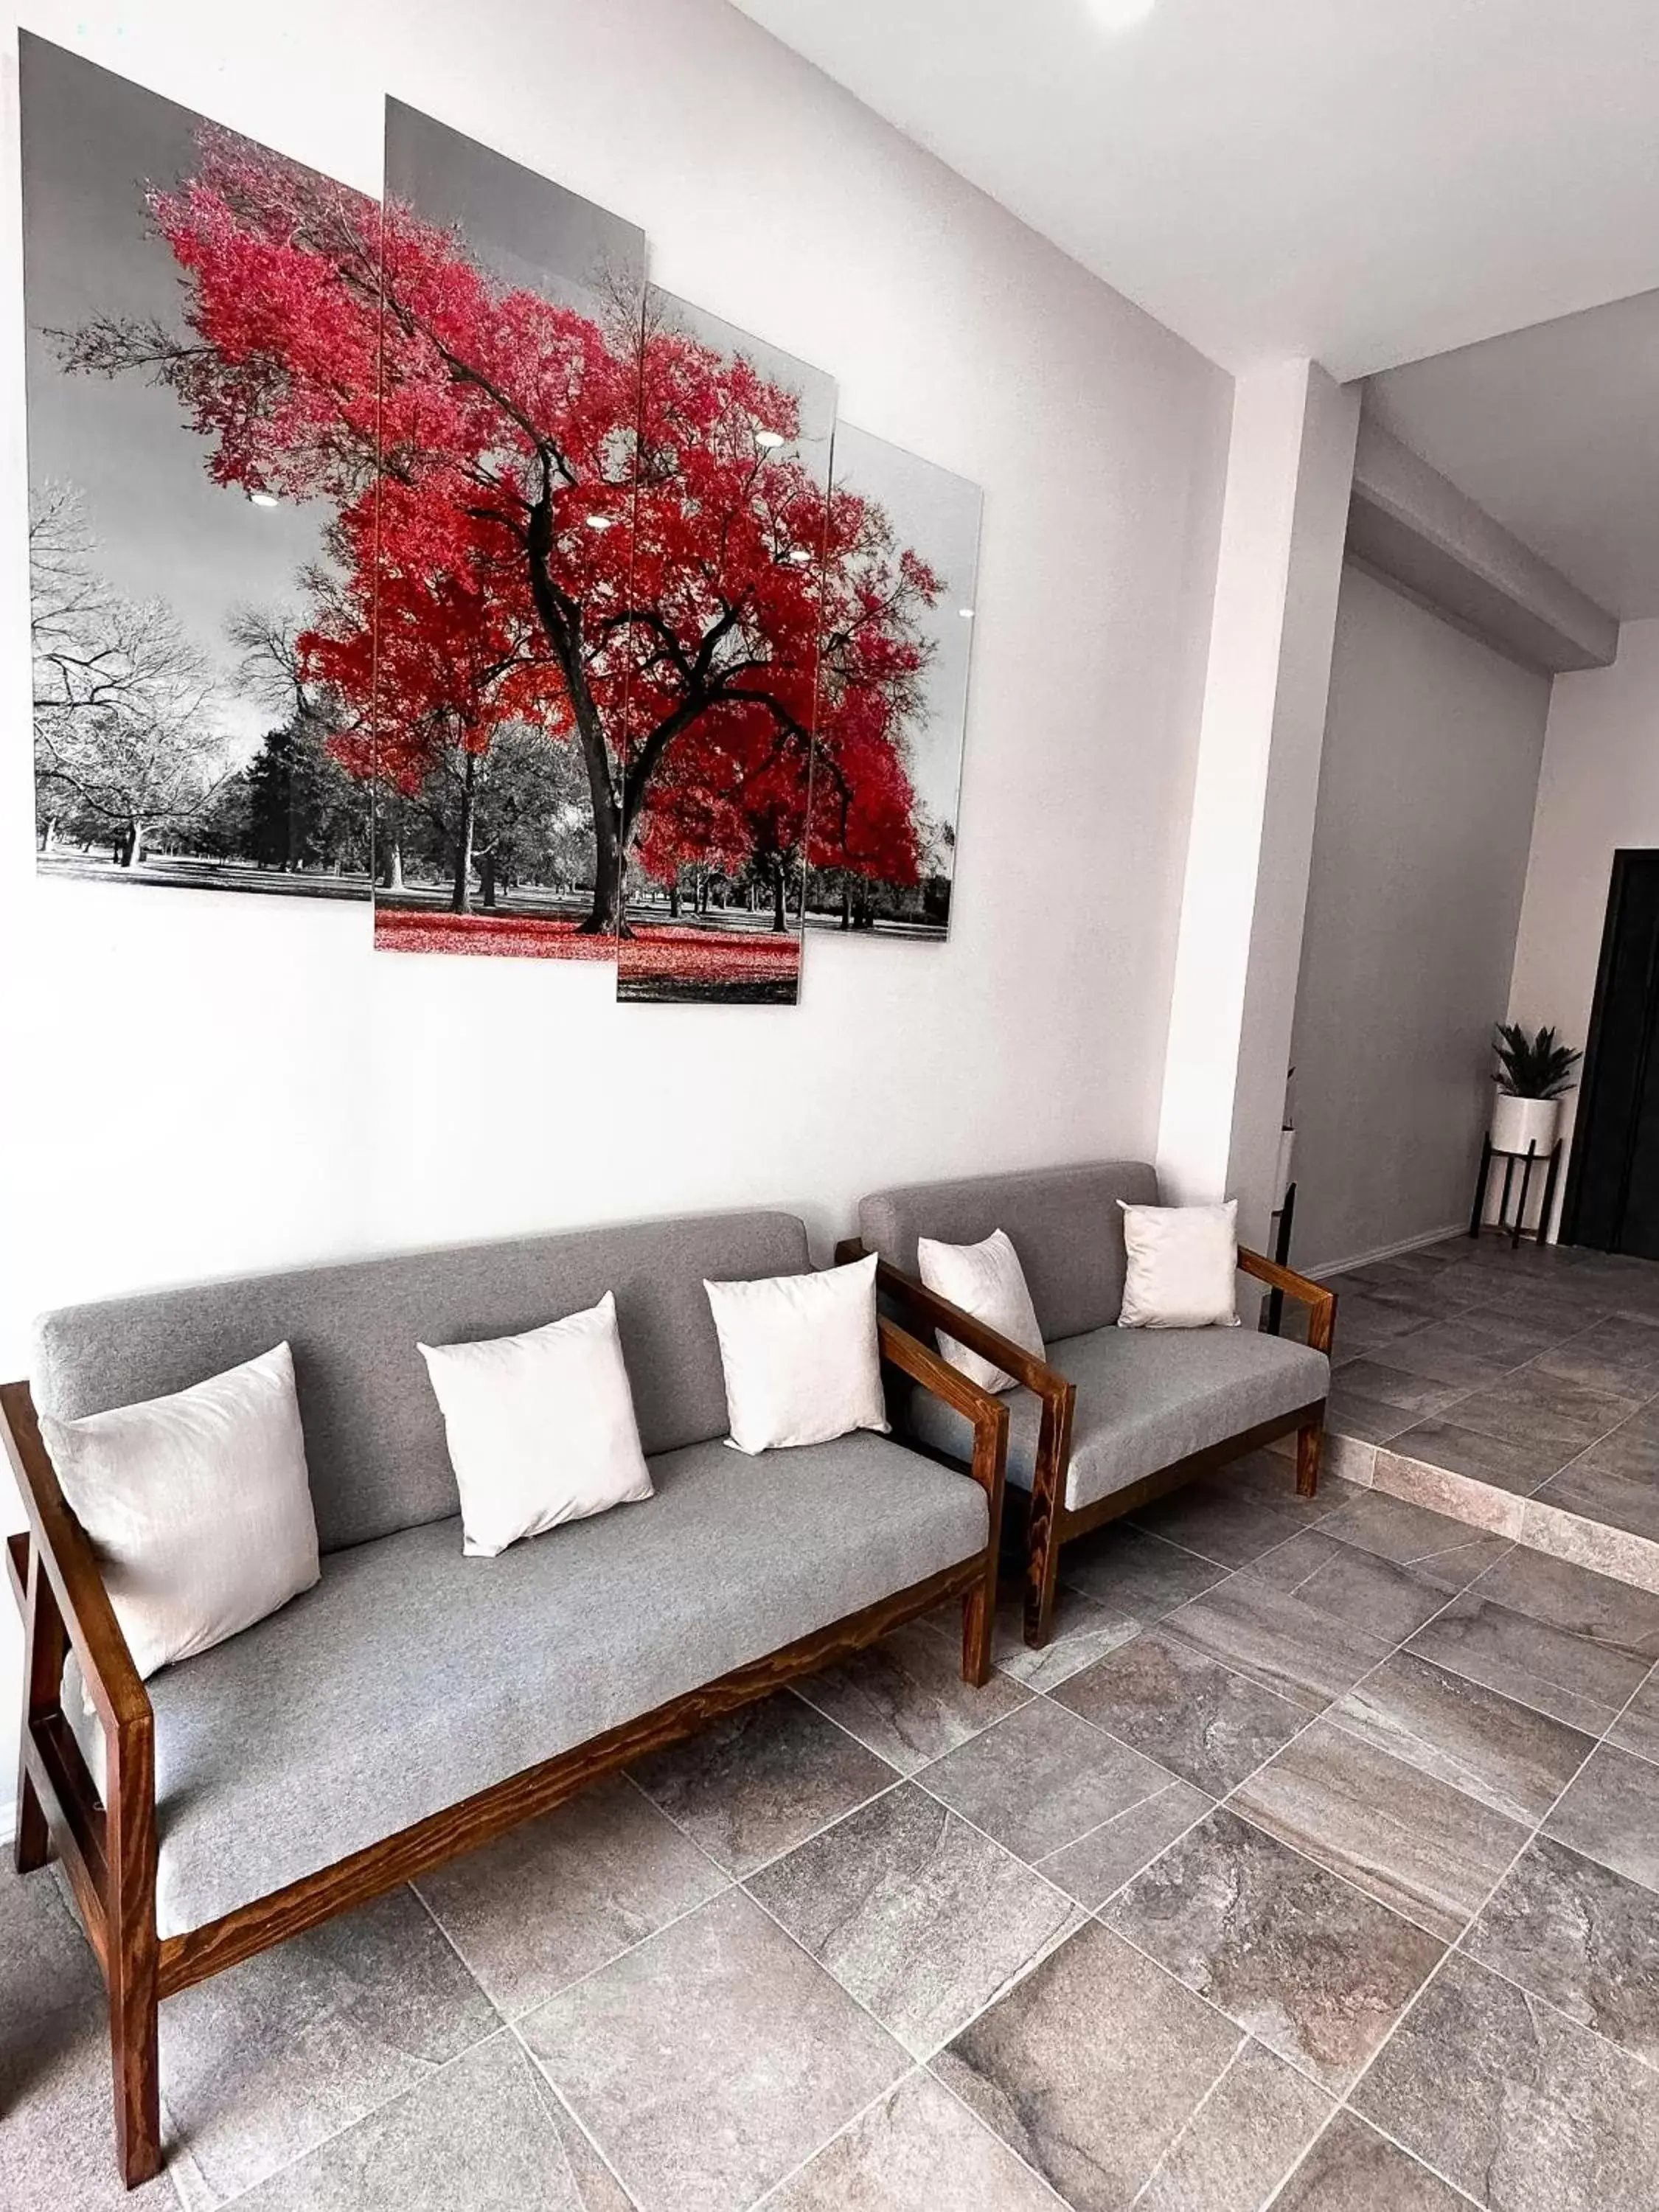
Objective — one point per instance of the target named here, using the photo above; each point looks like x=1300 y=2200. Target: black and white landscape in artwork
x=178 y=739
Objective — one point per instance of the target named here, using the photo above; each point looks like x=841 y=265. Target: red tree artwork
x=590 y=525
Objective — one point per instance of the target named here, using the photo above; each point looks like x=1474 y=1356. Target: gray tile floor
x=1534 y=1370
x=1316 y=1864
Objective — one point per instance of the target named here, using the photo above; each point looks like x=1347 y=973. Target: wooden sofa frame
x=109 y=1846
x=1051 y=1523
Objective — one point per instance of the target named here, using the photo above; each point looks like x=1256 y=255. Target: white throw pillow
x=541 y=1427
x=801 y=1355
x=987 y=1281
x=198 y=1505
x=1182 y=1260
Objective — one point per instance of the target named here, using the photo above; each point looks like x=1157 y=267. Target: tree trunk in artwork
x=846 y=900
x=132 y=845
x=460 y=896
x=674 y=900
x=780 y=899
x=392 y=864
x=487 y=879
x=605 y=913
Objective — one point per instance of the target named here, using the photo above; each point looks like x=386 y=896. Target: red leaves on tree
x=470 y=434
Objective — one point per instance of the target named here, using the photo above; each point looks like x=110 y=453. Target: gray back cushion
x=1063 y=1222
x=374 y=1438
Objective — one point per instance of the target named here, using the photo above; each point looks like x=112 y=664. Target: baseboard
x=1324 y=1268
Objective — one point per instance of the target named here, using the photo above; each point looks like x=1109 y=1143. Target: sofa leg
x=1309 y=1447
x=978 y=1620
x=32 y=1844
x=1041 y=1575
x=133 y=1952
x=135 y=2055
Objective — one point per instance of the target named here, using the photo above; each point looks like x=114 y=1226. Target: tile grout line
x=575 y=2119
x=1019 y=2156
x=1276 y=2195
x=1227 y=1796
x=1083 y=1918
x=466 y=1964
x=371 y=2112
x=1296 y=2066
x=740 y=1883
x=1455 y=1949
x=1191 y=2121
x=915 y=2064
x=1531 y=1364
x=1112 y=1819
x=1532 y=1997
x=1226 y=1800
x=347 y=2127
x=756 y=2203
x=1322 y=1714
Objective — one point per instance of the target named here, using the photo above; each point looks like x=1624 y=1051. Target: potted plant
x=1532 y=1074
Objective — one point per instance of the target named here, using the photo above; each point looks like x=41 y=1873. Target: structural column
x=1290 y=469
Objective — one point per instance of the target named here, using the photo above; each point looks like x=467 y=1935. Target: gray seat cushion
x=410 y=1677
x=1145 y=1398
x=374 y=1437
x=1064 y=1224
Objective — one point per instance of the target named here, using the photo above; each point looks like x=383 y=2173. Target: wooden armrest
x=926 y=1305
x=67 y=1558
x=936 y=1374
x=987 y=1412
x=1321 y=1303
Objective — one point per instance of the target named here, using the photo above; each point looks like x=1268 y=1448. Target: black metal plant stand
x=1516 y=1230
x=1284 y=1215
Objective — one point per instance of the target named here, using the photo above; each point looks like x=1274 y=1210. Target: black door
x=1613 y=1192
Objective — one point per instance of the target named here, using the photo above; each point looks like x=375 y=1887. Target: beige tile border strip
x=1346 y=1457
x=1461 y=1496
x=1529 y=1520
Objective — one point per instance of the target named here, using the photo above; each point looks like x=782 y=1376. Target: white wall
x=1289 y=464
x=1427 y=788
x=1599 y=790
x=194 y=1084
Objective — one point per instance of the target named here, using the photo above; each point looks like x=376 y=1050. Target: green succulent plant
x=1532 y=1066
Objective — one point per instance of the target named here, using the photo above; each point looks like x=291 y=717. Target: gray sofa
x=416 y=1701
x=1108 y=1417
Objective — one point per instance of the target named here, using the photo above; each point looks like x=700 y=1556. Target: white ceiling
x=1555 y=432
x=1366 y=181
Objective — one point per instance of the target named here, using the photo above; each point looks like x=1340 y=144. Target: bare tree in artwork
x=120 y=699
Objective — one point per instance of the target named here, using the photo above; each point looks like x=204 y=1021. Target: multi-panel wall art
x=490 y=625
x=181 y=734
x=903 y=560
x=732 y=495
x=421 y=549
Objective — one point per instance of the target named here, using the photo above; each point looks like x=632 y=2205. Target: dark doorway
x=1613 y=1191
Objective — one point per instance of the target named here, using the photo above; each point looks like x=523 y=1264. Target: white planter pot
x=1286 y=1154
x=1518 y=1122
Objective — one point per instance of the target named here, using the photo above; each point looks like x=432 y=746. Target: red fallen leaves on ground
x=693 y=954
x=708 y=955
x=513 y=936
